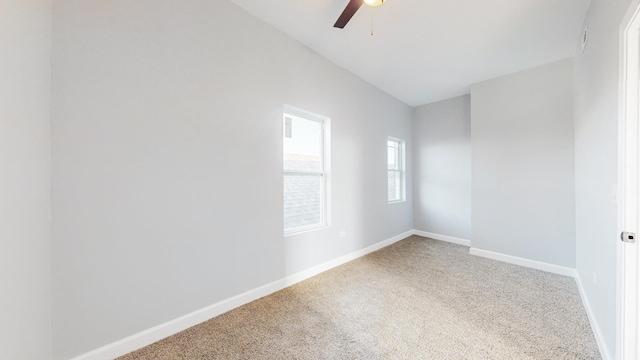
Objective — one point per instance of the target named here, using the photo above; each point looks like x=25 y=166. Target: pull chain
x=372 y=24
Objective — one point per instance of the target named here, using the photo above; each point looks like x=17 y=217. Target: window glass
x=395 y=170
x=305 y=183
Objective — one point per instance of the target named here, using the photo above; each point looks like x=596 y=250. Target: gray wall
x=523 y=164
x=167 y=162
x=596 y=133
x=442 y=173
x=25 y=173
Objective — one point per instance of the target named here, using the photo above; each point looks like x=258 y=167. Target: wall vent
x=585 y=37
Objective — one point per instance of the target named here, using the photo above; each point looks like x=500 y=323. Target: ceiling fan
x=351 y=9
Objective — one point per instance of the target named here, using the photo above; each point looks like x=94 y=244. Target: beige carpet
x=416 y=299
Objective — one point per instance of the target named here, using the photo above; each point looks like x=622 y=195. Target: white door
x=629 y=187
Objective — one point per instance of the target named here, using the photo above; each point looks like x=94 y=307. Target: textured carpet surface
x=416 y=299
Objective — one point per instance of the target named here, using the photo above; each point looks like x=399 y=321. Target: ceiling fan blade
x=348 y=13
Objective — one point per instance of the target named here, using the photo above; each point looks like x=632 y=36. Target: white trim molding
x=595 y=327
x=159 y=332
x=538 y=265
x=445 y=238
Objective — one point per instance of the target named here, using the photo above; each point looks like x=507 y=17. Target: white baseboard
x=450 y=239
x=556 y=269
x=156 y=333
x=595 y=327
x=538 y=265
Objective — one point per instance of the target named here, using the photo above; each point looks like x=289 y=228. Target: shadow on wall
x=442 y=157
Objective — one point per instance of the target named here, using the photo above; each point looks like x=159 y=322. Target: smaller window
x=395 y=170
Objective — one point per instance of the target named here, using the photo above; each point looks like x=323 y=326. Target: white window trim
x=325 y=173
x=402 y=170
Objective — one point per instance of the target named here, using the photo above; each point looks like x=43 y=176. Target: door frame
x=628 y=185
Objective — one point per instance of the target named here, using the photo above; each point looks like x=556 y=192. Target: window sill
x=396 y=202
x=299 y=231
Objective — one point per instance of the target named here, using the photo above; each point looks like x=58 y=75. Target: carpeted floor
x=416 y=299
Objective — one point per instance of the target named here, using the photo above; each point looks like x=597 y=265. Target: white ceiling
x=429 y=50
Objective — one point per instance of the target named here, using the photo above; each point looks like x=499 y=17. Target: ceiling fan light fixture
x=374 y=3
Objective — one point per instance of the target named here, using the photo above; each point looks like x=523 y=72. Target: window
x=395 y=170
x=305 y=142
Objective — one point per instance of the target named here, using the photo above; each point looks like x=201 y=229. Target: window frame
x=325 y=168
x=401 y=160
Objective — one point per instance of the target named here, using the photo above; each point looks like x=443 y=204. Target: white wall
x=596 y=121
x=523 y=164
x=167 y=143
x=442 y=173
x=25 y=164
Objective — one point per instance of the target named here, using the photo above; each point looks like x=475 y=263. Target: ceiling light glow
x=374 y=3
